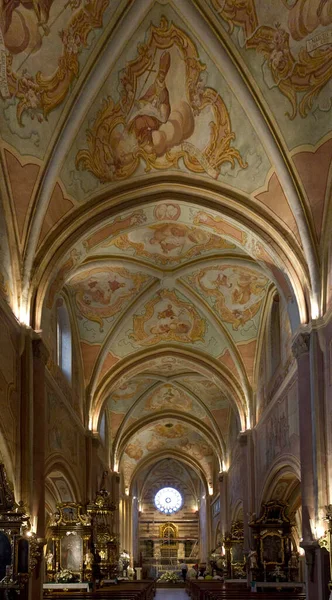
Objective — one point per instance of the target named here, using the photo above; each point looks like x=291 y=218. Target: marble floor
x=169 y=594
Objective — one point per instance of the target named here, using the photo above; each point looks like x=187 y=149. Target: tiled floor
x=169 y=594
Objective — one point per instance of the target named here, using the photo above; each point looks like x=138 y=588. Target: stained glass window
x=168 y=500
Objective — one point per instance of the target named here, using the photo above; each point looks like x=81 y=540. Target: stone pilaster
x=224 y=503
x=312 y=444
x=248 y=484
x=39 y=359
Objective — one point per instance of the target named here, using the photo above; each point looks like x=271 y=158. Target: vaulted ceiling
x=165 y=169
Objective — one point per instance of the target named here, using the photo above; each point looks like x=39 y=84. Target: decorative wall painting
x=166 y=116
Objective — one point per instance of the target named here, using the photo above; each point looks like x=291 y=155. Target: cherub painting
x=40 y=41
x=299 y=70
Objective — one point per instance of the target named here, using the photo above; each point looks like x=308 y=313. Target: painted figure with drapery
x=153 y=108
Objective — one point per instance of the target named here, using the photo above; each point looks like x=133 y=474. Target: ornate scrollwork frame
x=107 y=165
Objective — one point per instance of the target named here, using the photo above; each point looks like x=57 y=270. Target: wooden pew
x=217 y=590
x=135 y=590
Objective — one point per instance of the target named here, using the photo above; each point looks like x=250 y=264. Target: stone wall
x=10 y=383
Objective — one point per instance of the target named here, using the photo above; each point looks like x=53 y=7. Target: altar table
x=66 y=586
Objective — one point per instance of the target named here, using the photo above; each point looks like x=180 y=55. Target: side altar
x=81 y=545
x=20 y=549
x=275 y=557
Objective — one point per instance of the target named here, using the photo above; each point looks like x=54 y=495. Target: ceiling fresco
x=167 y=435
x=286 y=45
x=169 y=397
x=165 y=169
x=99 y=294
x=45 y=46
x=168 y=317
x=165 y=107
x=235 y=294
x=166 y=243
x=121 y=400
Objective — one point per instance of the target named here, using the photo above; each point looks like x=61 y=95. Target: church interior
x=165 y=297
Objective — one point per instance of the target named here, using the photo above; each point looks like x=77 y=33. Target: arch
x=284 y=465
x=123 y=370
x=237 y=511
x=247 y=96
x=149 y=460
x=121 y=443
x=202 y=195
x=175 y=479
x=57 y=464
x=164 y=414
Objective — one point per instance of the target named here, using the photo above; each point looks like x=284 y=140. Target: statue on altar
x=293 y=562
x=252 y=558
x=49 y=561
x=88 y=560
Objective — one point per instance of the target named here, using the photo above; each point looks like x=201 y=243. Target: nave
x=194 y=591
x=165 y=295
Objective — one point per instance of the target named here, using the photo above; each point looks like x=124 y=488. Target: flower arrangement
x=169 y=576
x=278 y=574
x=66 y=576
x=124 y=560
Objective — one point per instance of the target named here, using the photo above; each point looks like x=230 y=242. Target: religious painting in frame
x=272 y=548
x=71 y=552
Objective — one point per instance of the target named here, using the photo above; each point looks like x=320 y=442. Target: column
x=224 y=504
x=39 y=358
x=126 y=529
x=114 y=479
x=246 y=442
x=312 y=441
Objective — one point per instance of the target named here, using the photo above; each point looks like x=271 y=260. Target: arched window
x=275 y=345
x=64 y=348
x=102 y=428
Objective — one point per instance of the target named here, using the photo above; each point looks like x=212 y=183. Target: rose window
x=168 y=500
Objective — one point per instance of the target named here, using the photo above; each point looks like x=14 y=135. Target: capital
x=301 y=345
x=39 y=350
x=222 y=476
x=243 y=438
